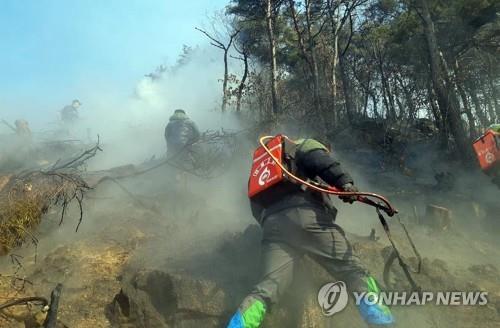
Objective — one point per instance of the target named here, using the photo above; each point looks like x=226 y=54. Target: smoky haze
x=186 y=226
x=131 y=126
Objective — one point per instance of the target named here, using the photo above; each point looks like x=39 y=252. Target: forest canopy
x=337 y=63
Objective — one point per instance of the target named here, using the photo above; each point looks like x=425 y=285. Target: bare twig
x=80 y=160
x=30 y=194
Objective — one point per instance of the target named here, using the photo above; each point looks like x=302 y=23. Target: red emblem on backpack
x=265 y=173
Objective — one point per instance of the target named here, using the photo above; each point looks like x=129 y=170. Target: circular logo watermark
x=333 y=297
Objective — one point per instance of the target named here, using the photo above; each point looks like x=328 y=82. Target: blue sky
x=52 y=51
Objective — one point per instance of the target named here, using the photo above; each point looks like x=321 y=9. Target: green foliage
x=383 y=70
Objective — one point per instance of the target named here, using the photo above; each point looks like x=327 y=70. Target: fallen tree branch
x=80 y=160
x=26 y=197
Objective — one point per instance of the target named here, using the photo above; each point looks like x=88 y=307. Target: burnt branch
x=80 y=160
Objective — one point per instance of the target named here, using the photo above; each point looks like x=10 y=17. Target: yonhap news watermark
x=333 y=297
x=422 y=298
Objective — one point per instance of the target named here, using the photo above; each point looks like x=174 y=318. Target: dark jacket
x=69 y=114
x=180 y=132
x=312 y=162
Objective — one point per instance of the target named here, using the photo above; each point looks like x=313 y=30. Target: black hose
x=396 y=255
x=51 y=320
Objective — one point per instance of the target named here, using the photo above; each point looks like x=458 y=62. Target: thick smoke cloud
x=131 y=125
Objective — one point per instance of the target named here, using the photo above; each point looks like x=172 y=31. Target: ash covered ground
x=156 y=251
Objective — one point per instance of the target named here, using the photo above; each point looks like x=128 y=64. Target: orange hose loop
x=332 y=191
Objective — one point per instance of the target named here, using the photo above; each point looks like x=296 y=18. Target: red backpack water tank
x=487 y=149
x=265 y=173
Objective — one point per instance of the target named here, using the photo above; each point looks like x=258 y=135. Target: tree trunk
x=367 y=98
x=443 y=130
x=375 y=104
x=495 y=95
x=336 y=26
x=459 y=78
x=334 y=74
x=349 y=106
x=225 y=48
x=489 y=105
x=314 y=63
x=307 y=53
x=447 y=100
x=272 y=54
x=477 y=106
x=468 y=112
x=412 y=111
x=224 y=83
x=242 y=82
x=386 y=91
x=401 y=107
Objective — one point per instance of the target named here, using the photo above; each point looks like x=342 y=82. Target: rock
x=438 y=217
x=158 y=299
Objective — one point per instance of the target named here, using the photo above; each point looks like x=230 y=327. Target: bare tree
x=244 y=58
x=225 y=48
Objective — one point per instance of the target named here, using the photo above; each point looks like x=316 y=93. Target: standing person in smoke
x=23 y=129
x=69 y=114
x=180 y=134
x=297 y=221
x=24 y=135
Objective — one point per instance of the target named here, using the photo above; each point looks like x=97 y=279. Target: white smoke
x=131 y=127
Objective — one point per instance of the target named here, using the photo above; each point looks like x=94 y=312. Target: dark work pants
x=293 y=232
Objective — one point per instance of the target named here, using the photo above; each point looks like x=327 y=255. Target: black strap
x=395 y=254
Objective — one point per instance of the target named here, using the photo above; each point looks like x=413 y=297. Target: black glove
x=349 y=187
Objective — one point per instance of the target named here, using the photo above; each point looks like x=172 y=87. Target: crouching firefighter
x=296 y=220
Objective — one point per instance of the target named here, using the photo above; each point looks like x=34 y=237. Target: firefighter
x=180 y=134
x=69 y=114
x=23 y=130
x=299 y=222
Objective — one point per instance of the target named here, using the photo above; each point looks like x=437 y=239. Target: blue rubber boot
x=249 y=315
x=236 y=321
x=375 y=314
